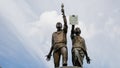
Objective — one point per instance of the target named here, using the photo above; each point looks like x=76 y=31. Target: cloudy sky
x=26 y=27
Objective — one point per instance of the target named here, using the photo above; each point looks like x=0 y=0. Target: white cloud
x=112 y=28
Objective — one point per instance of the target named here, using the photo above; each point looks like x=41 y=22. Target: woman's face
x=77 y=31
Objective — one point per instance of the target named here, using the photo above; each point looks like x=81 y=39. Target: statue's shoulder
x=82 y=38
x=57 y=32
x=54 y=33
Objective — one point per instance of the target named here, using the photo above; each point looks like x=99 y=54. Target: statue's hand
x=88 y=60
x=48 y=57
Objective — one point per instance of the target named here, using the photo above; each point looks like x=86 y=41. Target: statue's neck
x=77 y=34
x=59 y=29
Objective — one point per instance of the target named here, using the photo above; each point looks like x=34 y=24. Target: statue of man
x=59 y=42
x=78 y=47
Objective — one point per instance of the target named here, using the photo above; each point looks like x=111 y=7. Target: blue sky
x=26 y=27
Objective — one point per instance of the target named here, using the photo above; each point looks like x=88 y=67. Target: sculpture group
x=59 y=45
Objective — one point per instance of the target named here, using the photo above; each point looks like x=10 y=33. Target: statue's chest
x=77 y=39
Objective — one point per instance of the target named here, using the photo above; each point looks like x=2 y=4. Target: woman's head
x=77 y=31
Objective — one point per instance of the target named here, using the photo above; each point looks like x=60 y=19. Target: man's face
x=58 y=25
x=77 y=31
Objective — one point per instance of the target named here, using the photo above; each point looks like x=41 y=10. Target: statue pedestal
x=69 y=67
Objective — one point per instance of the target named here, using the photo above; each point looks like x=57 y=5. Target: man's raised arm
x=64 y=19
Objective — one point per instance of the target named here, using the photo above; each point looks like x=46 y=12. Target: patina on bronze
x=59 y=42
x=78 y=47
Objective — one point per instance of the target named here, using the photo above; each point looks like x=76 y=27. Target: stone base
x=69 y=67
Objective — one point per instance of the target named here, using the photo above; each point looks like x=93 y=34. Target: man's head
x=77 y=31
x=59 y=26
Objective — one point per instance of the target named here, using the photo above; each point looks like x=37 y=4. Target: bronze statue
x=78 y=47
x=59 y=42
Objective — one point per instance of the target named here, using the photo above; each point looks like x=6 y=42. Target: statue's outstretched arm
x=87 y=57
x=51 y=49
x=64 y=19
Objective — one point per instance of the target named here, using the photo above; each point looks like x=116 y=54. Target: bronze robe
x=78 y=45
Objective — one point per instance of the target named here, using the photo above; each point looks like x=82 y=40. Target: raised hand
x=62 y=10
